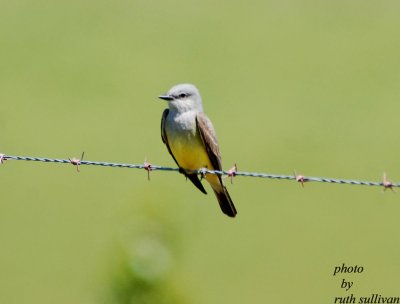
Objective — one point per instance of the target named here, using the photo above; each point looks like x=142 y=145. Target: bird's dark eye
x=182 y=95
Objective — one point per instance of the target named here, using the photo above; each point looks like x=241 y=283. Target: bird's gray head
x=183 y=97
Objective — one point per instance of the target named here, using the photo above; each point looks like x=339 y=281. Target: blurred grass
x=308 y=85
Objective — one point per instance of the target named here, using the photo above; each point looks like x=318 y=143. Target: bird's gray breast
x=182 y=126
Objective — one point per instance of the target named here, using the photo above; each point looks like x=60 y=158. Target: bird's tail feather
x=225 y=202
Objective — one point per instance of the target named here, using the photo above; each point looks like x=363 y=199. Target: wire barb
x=77 y=161
x=147 y=166
x=386 y=183
x=300 y=178
x=2 y=158
x=232 y=172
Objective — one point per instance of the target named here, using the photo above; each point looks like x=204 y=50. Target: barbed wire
x=230 y=173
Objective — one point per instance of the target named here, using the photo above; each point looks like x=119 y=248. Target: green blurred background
x=305 y=85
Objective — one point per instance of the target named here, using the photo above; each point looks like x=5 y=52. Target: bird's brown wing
x=210 y=142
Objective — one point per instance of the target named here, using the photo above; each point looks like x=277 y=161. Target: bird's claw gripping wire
x=202 y=172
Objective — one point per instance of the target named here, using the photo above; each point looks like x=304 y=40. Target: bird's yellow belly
x=190 y=155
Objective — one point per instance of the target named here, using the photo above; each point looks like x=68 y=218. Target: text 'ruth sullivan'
x=374 y=298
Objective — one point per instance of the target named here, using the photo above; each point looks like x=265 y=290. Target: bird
x=191 y=140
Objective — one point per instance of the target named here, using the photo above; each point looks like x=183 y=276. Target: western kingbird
x=190 y=138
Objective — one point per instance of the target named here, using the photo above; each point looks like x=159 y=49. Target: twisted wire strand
x=150 y=167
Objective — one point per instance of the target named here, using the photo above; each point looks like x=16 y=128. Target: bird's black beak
x=166 y=97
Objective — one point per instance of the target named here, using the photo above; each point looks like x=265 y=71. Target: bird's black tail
x=225 y=202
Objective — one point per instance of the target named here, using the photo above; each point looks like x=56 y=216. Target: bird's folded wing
x=210 y=142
